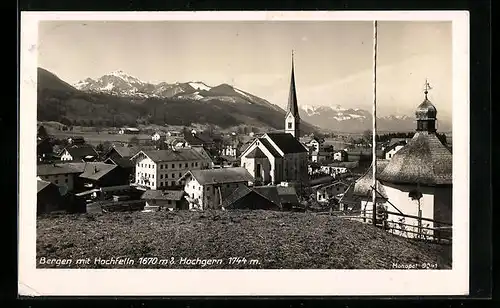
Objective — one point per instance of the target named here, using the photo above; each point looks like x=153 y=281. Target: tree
x=42 y=132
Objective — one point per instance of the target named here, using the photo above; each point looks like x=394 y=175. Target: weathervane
x=427 y=87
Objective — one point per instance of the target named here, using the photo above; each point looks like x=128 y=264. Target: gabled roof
x=175 y=195
x=278 y=194
x=424 y=160
x=237 y=194
x=53 y=169
x=287 y=143
x=172 y=155
x=124 y=151
x=96 y=170
x=120 y=161
x=220 y=176
x=269 y=147
x=41 y=184
x=79 y=152
x=256 y=153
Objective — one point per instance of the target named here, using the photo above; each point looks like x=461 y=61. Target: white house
x=229 y=150
x=157 y=169
x=206 y=189
x=340 y=155
x=393 y=149
x=326 y=192
x=128 y=130
x=157 y=136
x=79 y=153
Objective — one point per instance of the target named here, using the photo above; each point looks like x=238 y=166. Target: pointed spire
x=292 y=97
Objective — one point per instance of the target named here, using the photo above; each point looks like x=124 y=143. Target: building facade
x=159 y=169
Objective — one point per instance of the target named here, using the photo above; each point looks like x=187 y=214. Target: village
x=276 y=170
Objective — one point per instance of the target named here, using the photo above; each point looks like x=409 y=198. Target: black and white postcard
x=244 y=153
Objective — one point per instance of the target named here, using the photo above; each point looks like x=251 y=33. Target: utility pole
x=374 y=127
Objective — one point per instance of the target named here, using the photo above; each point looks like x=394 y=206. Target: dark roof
x=203 y=153
x=78 y=152
x=222 y=175
x=292 y=96
x=327 y=185
x=175 y=195
x=62 y=168
x=198 y=138
x=237 y=194
x=256 y=153
x=126 y=151
x=322 y=180
x=424 y=160
x=287 y=143
x=41 y=184
x=269 y=147
x=393 y=145
x=96 y=170
x=426 y=110
x=173 y=155
x=123 y=162
x=278 y=194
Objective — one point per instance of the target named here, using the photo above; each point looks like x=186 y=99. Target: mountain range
x=118 y=99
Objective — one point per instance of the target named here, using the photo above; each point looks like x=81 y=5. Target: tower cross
x=427 y=87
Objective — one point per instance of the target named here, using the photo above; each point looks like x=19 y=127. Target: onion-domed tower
x=426 y=114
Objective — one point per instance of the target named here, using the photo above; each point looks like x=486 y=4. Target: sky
x=333 y=59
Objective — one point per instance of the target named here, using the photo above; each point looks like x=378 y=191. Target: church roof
x=287 y=143
x=269 y=147
x=424 y=160
x=363 y=186
x=292 y=96
x=426 y=110
x=256 y=153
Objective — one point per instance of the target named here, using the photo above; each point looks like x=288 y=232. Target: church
x=277 y=157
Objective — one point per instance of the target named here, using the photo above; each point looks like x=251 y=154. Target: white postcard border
x=76 y=282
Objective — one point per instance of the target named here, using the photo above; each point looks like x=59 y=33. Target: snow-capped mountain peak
x=126 y=77
x=198 y=85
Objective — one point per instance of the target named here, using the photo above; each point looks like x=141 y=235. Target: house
x=174 y=133
x=157 y=135
x=319 y=156
x=206 y=189
x=99 y=174
x=164 y=199
x=129 y=131
x=158 y=169
x=125 y=164
x=117 y=152
x=340 y=155
x=314 y=143
x=324 y=193
x=199 y=140
x=176 y=142
x=208 y=162
x=246 y=198
x=61 y=174
x=283 y=195
x=48 y=198
x=393 y=148
x=76 y=140
x=418 y=179
x=79 y=153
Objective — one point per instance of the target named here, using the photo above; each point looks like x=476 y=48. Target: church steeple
x=292 y=118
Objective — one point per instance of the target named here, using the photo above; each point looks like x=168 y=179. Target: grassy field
x=95 y=138
x=266 y=239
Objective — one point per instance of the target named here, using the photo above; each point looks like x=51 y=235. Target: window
x=208 y=188
x=173 y=175
x=161 y=166
x=57 y=182
x=199 y=187
x=66 y=175
x=186 y=165
x=289 y=124
x=166 y=175
x=180 y=165
x=258 y=170
x=173 y=165
x=192 y=164
x=66 y=180
x=166 y=166
x=161 y=184
x=161 y=176
x=244 y=165
x=196 y=164
x=180 y=174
